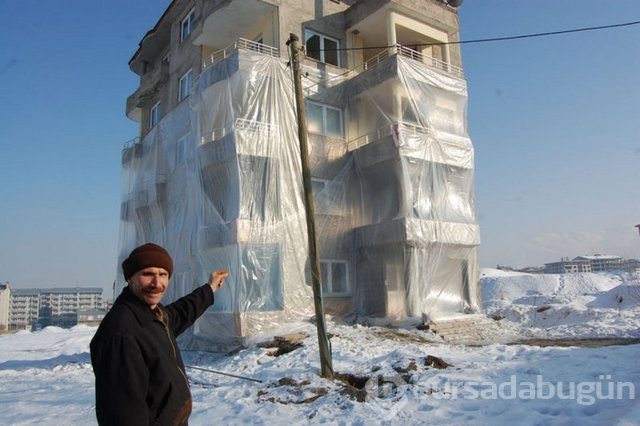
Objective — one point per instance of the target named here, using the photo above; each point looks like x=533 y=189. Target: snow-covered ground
x=46 y=376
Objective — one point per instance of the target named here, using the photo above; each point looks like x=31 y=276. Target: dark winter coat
x=140 y=376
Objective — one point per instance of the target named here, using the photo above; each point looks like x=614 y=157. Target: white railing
x=131 y=143
x=244 y=44
x=411 y=54
x=394 y=130
x=239 y=124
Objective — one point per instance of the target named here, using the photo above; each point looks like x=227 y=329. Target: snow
x=46 y=376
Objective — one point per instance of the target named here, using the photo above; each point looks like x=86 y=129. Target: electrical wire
x=223 y=373
x=493 y=39
x=548 y=33
x=482 y=40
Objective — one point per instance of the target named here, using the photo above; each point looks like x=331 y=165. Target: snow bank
x=46 y=376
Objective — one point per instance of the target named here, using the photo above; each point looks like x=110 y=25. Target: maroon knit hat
x=147 y=256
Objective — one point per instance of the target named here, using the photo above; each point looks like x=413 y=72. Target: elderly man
x=140 y=376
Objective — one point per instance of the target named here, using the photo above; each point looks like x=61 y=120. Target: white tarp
x=218 y=183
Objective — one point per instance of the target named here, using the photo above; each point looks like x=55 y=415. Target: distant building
x=593 y=263
x=567 y=267
x=91 y=317
x=38 y=307
x=603 y=262
x=5 y=297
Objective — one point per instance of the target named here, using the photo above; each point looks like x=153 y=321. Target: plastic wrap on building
x=218 y=183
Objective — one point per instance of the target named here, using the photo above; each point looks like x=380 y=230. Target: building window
x=187 y=25
x=334 y=276
x=322 y=48
x=154 y=115
x=184 y=86
x=324 y=120
x=181 y=149
x=318 y=185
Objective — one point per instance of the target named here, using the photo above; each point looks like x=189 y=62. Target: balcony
x=407 y=52
x=417 y=233
x=240 y=44
x=150 y=85
x=246 y=134
x=412 y=141
x=132 y=151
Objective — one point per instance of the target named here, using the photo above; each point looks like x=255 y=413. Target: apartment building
x=567 y=266
x=215 y=174
x=591 y=263
x=41 y=307
x=5 y=297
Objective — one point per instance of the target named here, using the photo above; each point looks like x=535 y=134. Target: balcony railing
x=411 y=54
x=391 y=130
x=244 y=44
x=240 y=124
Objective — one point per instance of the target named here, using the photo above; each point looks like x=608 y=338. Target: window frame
x=323 y=131
x=308 y=33
x=327 y=285
x=181 y=149
x=186 y=25
x=318 y=185
x=154 y=115
x=185 y=90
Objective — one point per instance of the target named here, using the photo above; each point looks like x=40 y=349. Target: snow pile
x=564 y=305
x=387 y=375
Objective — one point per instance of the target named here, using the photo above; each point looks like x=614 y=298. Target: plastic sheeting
x=218 y=183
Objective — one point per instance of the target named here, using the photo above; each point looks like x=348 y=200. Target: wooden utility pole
x=323 y=341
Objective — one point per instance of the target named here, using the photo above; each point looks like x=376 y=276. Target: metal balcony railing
x=394 y=130
x=240 y=124
x=411 y=54
x=244 y=44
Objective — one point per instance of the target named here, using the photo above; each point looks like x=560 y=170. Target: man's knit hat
x=147 y=256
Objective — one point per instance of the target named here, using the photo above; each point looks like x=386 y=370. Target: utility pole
x=323 y=341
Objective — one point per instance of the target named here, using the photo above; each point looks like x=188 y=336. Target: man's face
x=149 y=285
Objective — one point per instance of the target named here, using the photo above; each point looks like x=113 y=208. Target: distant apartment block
x=593 y=263
x=5 y=297
x=567 y=267
x=35 y=308
x=91 y=317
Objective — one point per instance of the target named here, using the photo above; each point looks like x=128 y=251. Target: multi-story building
x=215 y=174
x=603 y=262
x=5 y=297
x=91 y=317
x=24 y=309
x=41 y=307
x=592 y=263
x=566 y=266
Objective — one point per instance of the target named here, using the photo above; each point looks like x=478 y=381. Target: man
x=140 y=376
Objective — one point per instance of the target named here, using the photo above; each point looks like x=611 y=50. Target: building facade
x=592 y=263
x=215 y=174
x=35 y=308
x=5 y=297
x=567 y=267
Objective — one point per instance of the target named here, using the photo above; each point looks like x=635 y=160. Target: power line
x=223 y=373
x=576 y=30
x=493 y=39
x=482 y=40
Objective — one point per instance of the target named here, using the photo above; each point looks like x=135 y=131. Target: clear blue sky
x=555 y=122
